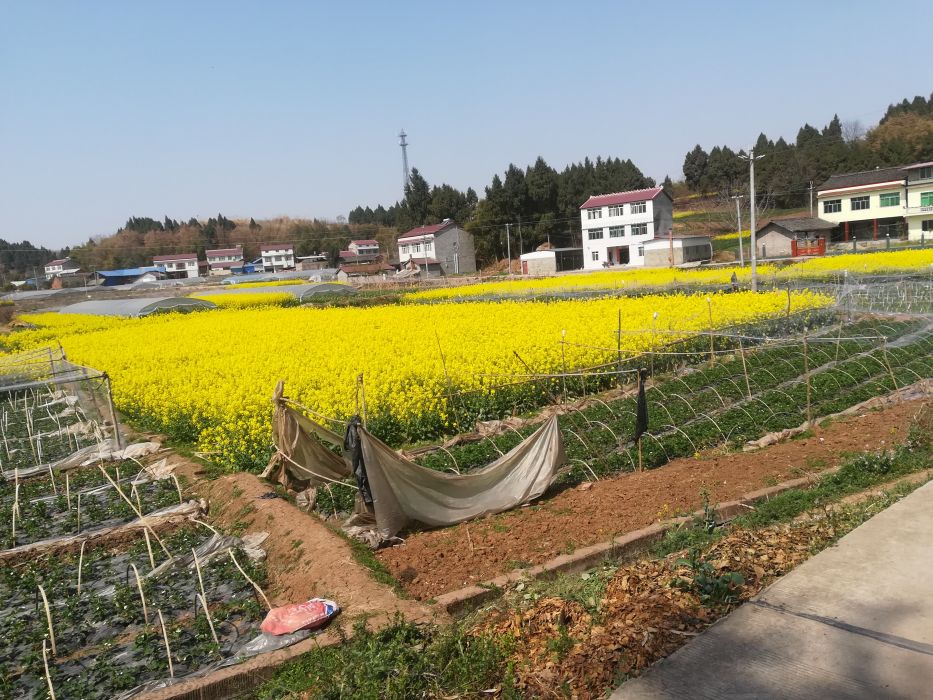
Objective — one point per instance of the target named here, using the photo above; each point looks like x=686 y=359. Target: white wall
x=627 y=219
x=875 y=210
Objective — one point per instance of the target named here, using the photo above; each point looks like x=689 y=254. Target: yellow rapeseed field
x=647 y=277
x=276 y=283
x=899 y=261
x=243 y=301
x=207 y=377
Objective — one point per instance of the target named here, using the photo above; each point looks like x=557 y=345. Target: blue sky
x=118 y=109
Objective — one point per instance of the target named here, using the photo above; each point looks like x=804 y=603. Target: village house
x=277 y=256
x=881 y=203
x=616 y=226
x=178 y=265
x=437 y=249
x=61 y=268
x=793 y=237
x=220 y=260
x=676 y=249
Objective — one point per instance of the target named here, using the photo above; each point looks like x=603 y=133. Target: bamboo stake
x=748 y=386
x=197 y=567
x=149 y=548
x=178 y=488
x=207 y=614
x=806 y=371
x=138 y=513
x=48 y=676
x=80 y=565
x=788 y=302
x=68 y=490
x=48 y=618
x=712 y=351
x=619 y=351
x=142 y=596
x=563 y=363
x=168 y=649
x=641 y=466
x=79 y=511
x=253 y=583
x=52 y=477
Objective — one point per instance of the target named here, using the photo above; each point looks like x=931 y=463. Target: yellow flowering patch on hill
x=277 y=283
x=208 y=377
x=734 y=236
x=899 y=261
x=647 y=277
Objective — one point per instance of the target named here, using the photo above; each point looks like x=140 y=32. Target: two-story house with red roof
x=442 y=248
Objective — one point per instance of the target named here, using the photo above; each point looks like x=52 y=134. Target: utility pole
x=811 y=199
x=738 y=217
x=508 y=247
x=751 y=210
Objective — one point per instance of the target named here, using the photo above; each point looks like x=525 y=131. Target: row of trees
x=538 y=202
x=784 y=174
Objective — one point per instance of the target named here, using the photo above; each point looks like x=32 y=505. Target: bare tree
x=853 y=130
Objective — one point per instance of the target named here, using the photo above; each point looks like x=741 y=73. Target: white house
x=178 y=265
x=442 y=248
x=277 y=256
x=220 y=260
x=61 y=268
x=875 y=204
x=364 y=247
x=616 y=226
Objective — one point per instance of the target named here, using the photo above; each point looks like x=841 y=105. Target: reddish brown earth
x=437 y=561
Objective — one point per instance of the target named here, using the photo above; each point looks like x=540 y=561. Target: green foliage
x=712 y=587
x=401 y=661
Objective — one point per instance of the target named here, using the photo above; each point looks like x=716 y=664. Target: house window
x=617 y=210
x=595 y=255
x=616 y=231
x=890 y=199
x=594 y=213
x=860 y=203
x=594 y=234
x=926 y=225
x=416 y=248
x=639 y=229
x=639 y=207
x=926 y=199
x=832 y=206
x=641 y=251
x=925 y=173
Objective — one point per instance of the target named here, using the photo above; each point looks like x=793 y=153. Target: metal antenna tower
x=405 y=174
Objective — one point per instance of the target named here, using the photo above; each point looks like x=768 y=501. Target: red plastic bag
x=299 y=616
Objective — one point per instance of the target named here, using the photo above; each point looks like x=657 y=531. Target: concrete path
x=855 y=621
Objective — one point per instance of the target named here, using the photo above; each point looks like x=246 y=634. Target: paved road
x=855 y=621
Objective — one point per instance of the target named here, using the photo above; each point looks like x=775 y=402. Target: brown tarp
x=301 y=460
x=403 y=491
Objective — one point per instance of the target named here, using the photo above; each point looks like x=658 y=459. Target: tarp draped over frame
x=403 y=491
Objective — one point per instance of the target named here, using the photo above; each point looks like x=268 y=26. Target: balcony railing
x=920 y=210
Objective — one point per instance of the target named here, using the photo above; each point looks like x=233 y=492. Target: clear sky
x=132 y=108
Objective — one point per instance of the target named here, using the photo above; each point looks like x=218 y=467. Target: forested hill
x=783 y=176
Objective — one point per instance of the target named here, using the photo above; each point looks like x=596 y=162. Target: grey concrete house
x=442 y=248
x=792 y=237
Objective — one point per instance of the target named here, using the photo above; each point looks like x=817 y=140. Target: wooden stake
x=79 y=511
x=207 y=614
x=253 y=583
x=48 y=676
x=168 y=649
x=149 y=548
x=712 y=352
x=68 y=489
x=197 y=567
x=48 y=619
x=619 y=352
x=80 y=565
x=641 y=466
x=748 y=386
x=142 y=596
x=806 y=371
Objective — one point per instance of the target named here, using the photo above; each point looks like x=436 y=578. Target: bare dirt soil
x=433 y=562
x=305 y=558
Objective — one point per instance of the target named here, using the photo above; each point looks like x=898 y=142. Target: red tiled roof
x=366 y=242
x=427 y=230
x=178 y=256
x=58 y=262
x=614 y=198
x=223 y=251
x=276 y=246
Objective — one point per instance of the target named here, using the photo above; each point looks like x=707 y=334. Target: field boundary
x=621 y=547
